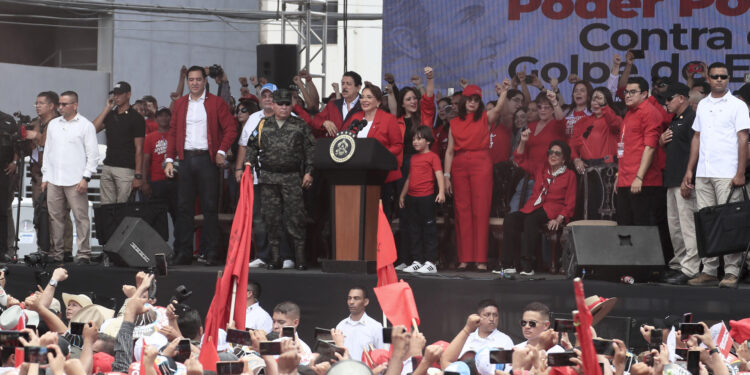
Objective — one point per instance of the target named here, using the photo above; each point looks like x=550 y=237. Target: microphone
x=356 y=126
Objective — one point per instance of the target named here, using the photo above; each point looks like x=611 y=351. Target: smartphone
x=76 y=328
x=161 y=264
x=564 y=325
x=501 y=356
x=693 y=359
x=183 y=351
x=387 y=333
x=656 y=339
x=31 y=327
x=323 y=334
x=560 y=359
x=235 y=336
x=638 y=53
x=229 y=368
x=270 y=348
x=687 y=317
x=327 y=350
x=603 y=347
x=35 y=354
x=287 y=331
x=10 y=338
x=450 y=91
x=681 y=352
x=694 y=68
x=687 y=329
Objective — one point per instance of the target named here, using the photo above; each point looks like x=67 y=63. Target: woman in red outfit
x=594 y=146
x=468 y=157
x=551 y=204
x=579 y=106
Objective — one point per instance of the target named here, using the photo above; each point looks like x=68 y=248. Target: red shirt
x=501 y=137
x=422 y=174
x=155 y=145
x=441 y=141
x=560 y=191
x=151 y=126
x=641 y=128
x=597 y=137
x=537 y=146
x=470 y=135
x=660 y=159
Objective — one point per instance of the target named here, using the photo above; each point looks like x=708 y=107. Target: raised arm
x=427 y=103
x=99 y=120
x=629 y=58
x=180 y=86
x=312 y=91
x=502 y=93
x=453 y=350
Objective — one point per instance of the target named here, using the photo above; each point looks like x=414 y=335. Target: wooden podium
x=355 y=169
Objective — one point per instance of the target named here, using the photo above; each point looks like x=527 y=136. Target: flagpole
x=234 y=296
x=385 y=321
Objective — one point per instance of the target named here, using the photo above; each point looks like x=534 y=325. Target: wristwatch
x=138 y=176
x=53 y=282
x=88 y=179
x=447 y=175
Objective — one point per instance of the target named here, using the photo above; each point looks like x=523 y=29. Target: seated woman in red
x=381 y=125
x=550 y=205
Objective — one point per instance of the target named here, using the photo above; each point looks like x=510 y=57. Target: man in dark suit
x=201 y=131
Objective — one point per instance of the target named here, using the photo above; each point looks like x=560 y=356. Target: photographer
x=8 y=161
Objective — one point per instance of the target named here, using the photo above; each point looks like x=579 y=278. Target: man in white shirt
x=255 y=316
x=359 y=329
x=71 y=157
x=487 y=334
x=287 y=314
x=534 y=322
x=718 y=154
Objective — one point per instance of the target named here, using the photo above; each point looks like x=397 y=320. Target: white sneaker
x=427 y=267
x=413 y=267
x=527 y=273
x=258 y=263
x=509 y=271
x=288 y=264
x=401 y=267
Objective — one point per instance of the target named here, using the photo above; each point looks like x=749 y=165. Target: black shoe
x=5 y=258
x=273 y=265
x=181 y=260
x=68 y=258
x=678 y=279
x=301 y=267
x=670 y=274
x=202 y=258
x=210 y=262
x=82 y=261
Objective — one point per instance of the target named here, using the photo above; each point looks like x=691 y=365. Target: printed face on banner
x=486 y=41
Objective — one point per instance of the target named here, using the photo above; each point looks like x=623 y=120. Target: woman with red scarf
x=551 y=204
x=468 y=157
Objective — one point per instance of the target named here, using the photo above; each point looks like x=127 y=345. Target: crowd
x=143 y=337
x=631 y=151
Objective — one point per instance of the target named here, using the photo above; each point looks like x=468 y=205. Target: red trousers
x=472 y=190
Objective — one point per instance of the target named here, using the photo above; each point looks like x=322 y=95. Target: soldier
x=280 y=150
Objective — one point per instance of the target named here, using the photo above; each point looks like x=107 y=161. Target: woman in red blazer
x=381 y=125
x=551 y=204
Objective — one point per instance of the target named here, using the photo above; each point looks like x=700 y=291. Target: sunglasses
x=284 y=103
x=243 y=110
x=719 y=76
x=556 y=153
x=531 y=323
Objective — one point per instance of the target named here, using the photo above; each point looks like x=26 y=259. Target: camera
x=181 y=293
x=215 y=71
x=36 y=259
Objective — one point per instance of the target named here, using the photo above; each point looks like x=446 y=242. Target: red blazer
x=331 y=112
x=222 y=126
x=386 y=130
x=561 y=193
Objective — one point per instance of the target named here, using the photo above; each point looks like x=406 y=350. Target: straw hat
x=80 y=299
x=93 y=313
x=599 y=307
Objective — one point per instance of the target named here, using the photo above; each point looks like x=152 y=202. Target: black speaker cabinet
x=134 y=243
x=278 y=63
x=608 y=253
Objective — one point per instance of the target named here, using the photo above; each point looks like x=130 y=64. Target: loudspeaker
x=278 y=63
x=134 y=243
x=608 y=253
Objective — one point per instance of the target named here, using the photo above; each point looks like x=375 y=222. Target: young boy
x=418 y=197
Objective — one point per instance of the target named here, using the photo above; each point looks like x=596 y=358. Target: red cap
x=740 y=330
x=103 y=362
x=472 y=90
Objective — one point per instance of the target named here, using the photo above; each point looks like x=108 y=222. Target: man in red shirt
x=639 y=181
x=337 y=114
x=157 y=186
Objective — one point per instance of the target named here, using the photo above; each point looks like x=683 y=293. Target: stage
x=443 y=300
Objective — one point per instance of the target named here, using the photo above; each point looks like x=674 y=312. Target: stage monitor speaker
x=609 y=253
x=278 y=63
x=134 y=243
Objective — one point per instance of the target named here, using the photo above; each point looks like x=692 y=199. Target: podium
x=355 y=169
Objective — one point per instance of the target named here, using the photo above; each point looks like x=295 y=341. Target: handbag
x=107 y=217
x=723 y=229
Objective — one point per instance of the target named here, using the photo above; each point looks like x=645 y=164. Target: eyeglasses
x=554 y=152
x=719 y=76
x=632 y=92
x=545 y=107
x=531 y=323
x=65 y=104
x=243 y=110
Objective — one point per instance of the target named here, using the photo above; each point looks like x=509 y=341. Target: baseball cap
x=472 y=90
x=282 y=96
x=459 y=367
x=677 y=89
x=121 y=88
x=660 y=81
x=268 y=86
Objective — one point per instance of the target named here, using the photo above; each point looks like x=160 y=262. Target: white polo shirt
x=358 y=334
x=496 y=339
x=257 y=318
x=718 y=120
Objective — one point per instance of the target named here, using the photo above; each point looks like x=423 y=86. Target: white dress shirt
x=257 y=318
x=359 y=334
x=365 y=131
x=554 y=349
x=718 y=120
x=345 y=109
x=196 y=124
x=71 y=151
x=496 y=339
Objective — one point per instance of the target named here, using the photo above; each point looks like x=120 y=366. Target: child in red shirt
x=418 y=197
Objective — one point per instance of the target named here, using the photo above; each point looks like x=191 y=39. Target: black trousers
x=5 y=201
x=647 y=208
x=197 y=176
x=423 y=238
x=522 y=238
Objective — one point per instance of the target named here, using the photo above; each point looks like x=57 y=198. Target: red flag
x=397 y=302
x=236 y=269
x=208 y=356
x=583 y=328
x=740 y=331
x=386 y=250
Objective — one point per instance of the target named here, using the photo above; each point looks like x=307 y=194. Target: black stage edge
x=348 y=266
x=444 y=301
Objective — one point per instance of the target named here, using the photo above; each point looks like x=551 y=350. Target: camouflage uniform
x=281 y=156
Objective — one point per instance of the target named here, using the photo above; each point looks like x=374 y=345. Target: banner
x=488 y=40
